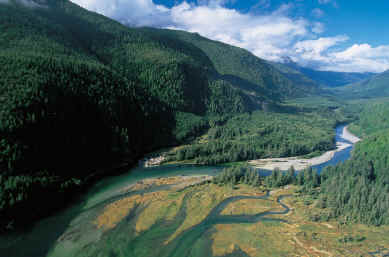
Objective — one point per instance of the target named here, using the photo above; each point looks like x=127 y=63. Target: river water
x=340 y=156
x=46 y=238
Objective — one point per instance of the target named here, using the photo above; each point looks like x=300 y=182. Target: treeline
x=80 y=93
x=72 y=119
x=244 y=70
x=238 y=175
x=260 y=135
x=358 y=190
x=354 y=191
x=372 y=117
x=308 y=179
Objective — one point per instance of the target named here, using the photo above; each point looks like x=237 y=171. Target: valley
x=169 y=217
x=133 y=141
x=179 y=211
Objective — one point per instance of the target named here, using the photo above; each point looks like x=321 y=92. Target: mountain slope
x=244 y=70
x=79 y=92
x=295 y=75
x=323 y=78
x=377 y=86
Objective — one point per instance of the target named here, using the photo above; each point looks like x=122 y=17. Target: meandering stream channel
x=71 y=232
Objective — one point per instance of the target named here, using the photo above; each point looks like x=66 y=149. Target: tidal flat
x=190 y=216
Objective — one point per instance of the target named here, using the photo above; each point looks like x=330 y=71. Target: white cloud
x=357 y=58
x=316 y=47
x=271 y=36
x=133 y=12
x=266 y=36
x=318 y=27
x=362 y=57
x=314 y=52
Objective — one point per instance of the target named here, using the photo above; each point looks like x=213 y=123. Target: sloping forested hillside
x=244 y=70
x=358 y=190
x=376 y=86
x=79 y=92
x=373 y=117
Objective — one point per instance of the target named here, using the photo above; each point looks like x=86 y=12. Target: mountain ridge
x=79 y=91
x=374 y=87
x=331 y=79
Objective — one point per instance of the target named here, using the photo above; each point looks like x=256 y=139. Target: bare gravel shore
x=299 y=163
x=350 y=137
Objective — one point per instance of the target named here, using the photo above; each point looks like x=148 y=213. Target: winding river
x=339 y=156
x=55 y=236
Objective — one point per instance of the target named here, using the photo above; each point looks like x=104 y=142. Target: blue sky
x=338 y=35
x=362 y=21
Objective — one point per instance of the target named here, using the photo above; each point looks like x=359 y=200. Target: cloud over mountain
x=270 y=36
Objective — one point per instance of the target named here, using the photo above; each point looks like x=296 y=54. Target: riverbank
x=346 y=134
x=300 y=163
x=211 y=220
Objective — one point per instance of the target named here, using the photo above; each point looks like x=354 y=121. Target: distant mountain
x=376 y=86
x=295 y=75
x=61 y=64
x=79 y=91
x=324 y=78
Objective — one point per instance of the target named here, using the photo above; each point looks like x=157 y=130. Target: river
x=47 y=237
x=339 y=156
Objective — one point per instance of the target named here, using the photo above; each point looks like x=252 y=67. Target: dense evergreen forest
x=261 y=135
x=80 y=94
x=357 y=190
x=373 y=117
x=374 y=87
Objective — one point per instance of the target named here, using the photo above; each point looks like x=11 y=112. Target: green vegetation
x=238 y=174
x=260 y=135
x=80 y=93
x=204 y=219
x=355 y=191
x=374 y=87
x=243 y=70
x=373 y=117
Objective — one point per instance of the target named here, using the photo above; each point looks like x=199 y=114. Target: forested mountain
x=373 y=117
x=322 y=78
x=79 y=92
x=376 y=86
x=358 y=190
x=244 y=70
x=295 y=75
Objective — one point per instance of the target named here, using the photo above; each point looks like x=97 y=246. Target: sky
x=336 y=35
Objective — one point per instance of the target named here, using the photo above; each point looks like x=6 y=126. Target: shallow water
x=71 y=232
x=340 y=156
x=39 y=240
